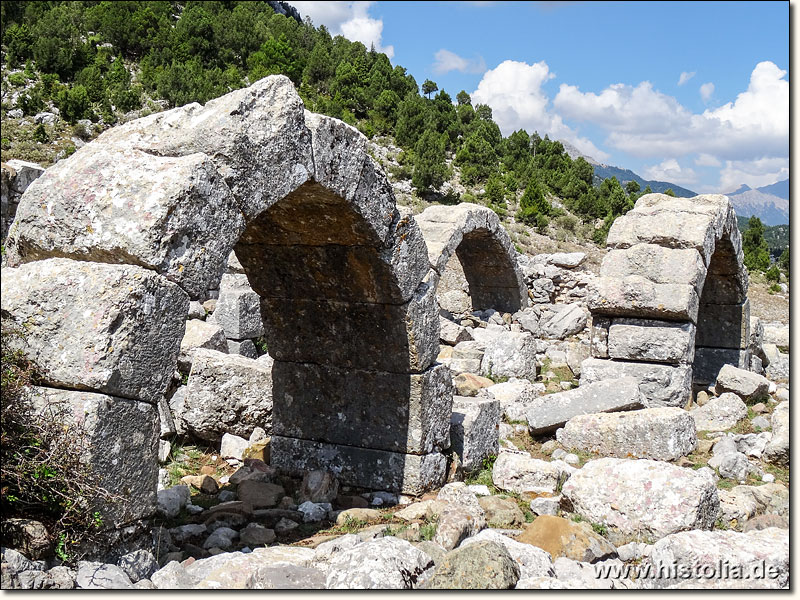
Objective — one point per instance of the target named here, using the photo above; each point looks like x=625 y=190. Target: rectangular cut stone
x=668 y=229
x=709 y=361
x=724 y=325
x=636 y=296
x=399 y=338
x=665 y=433
x=474 y=430
x=656 y=263
x=238 y=312
x=659 y=385
x=386 y=411
x=113 y=329
x=548 y=412
x=362 y=467
x=652 y=341
x=599 y=342
x=121 y=448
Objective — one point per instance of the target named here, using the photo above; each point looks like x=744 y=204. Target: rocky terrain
x=558 y=476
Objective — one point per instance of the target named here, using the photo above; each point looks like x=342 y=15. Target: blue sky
x=696 y=93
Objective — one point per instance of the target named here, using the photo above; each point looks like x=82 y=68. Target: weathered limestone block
x=599 y=340
x=562 y=537
x=238 y=312
x=665 y=433
x=244 y=348
x=724 y=325
x=114 y=329
x=546 y=413
x=407 y=473
x=567 y=320
x=121 y=444
x=396 y=338
x=636 y=296
x=200 y=334
x=467 y=357
x=515 y=396
x=648 y=340
x=777 y=451
x=720 y=413
x=383 y=563
x=720 y=559
x=776 y=333
x=750 y=387
x=642 y=497
x=507 y=354
x=474 y=430
x=657 y=264
x=227 y=394
x=452 y=333
x=708 y=362
x=659 y=385
x=175 y=215
x=256 y=136
x=485 y=565
x=518 y=472
x=386 y=411
x=532 y=561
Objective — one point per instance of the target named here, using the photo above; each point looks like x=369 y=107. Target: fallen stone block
x=518 y=472
x=719 y=414
x=474 y=430
x=200 y=334
x=750 y=387
x=777 y=450
x=507 y=354
x=547 y=413
x=665 y=433
x=238 y=312
x=659 y=385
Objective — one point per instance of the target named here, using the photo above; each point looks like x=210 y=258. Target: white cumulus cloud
x=754 y=173
x=706 y=90
x=685 y=76
x=670 y=170
x=447 y=61
x=514 y=91
x=706 y=160
x=350 y=19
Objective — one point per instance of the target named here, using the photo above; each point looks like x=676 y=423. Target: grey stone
x=226 y=393
x=259 y=494
x=665 y=433
x=659 y=385
x=760 y=422
x=752 y=444
x=238 y=313
x=222 y=537
x=517 y=472
x=549 y=412
x=286 y=576
x=196 y=311
x=733 y=465
x=651 y=341
x=750 y=387
x=99 y=576
x=567 y=321
x=720 y=413
x=474 y=430
x=599 y=336
x=314 y=512
x=546 y=505
x=244 y=348
x=758 y=559
x=138 y=565
x=120 y=440
x=507 y=354
x=515 y=396
x=778 y=367
x=172 y=500
x=319 y=486
x=232 y=446
x=567 y=260
x=777 y=450
x=383 y=563
x=256 y=534
x=642 y=497
x=776 y=333
x=452 y=333
x=70 y=309
x=481 y=565
x=200 y=334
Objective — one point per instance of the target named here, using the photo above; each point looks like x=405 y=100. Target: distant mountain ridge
x=603 y=171
x=770 y=203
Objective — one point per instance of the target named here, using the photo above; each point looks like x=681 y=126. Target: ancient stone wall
x=670 y=306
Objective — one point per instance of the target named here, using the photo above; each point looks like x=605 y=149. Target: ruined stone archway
x=352 y=320
x=670 y=306
x=476 y=237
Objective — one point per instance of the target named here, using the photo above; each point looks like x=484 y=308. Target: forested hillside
x=101 y=60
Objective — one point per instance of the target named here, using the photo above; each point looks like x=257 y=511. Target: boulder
x=255 y=535
x=560 y=537
x=451 y=333
x=366 y=515
x=518 y=472
x=757 y=559
x=549 y=412
x=777 y=450
x=515 y=396
x=200 y=334
x=642 y=497
x=99 y=576
x=172 y=500
x=776 y=333
x=506 y=354
x=481 y=565
x=719 y=414
x=469 y=384
x=501 y=512
x=227 y=394
x=69 y=310
x=244 y=348
x=532 y=561
x=474 y=430
x=566 y=321
x=665 y=433
x=383 y=563
x=138 y=565
x=232 y=446
x=259 y=494
x=750 y=387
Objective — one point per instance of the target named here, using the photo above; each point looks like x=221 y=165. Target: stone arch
x=670 y=306
x=476 y=237
x=352 y=319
